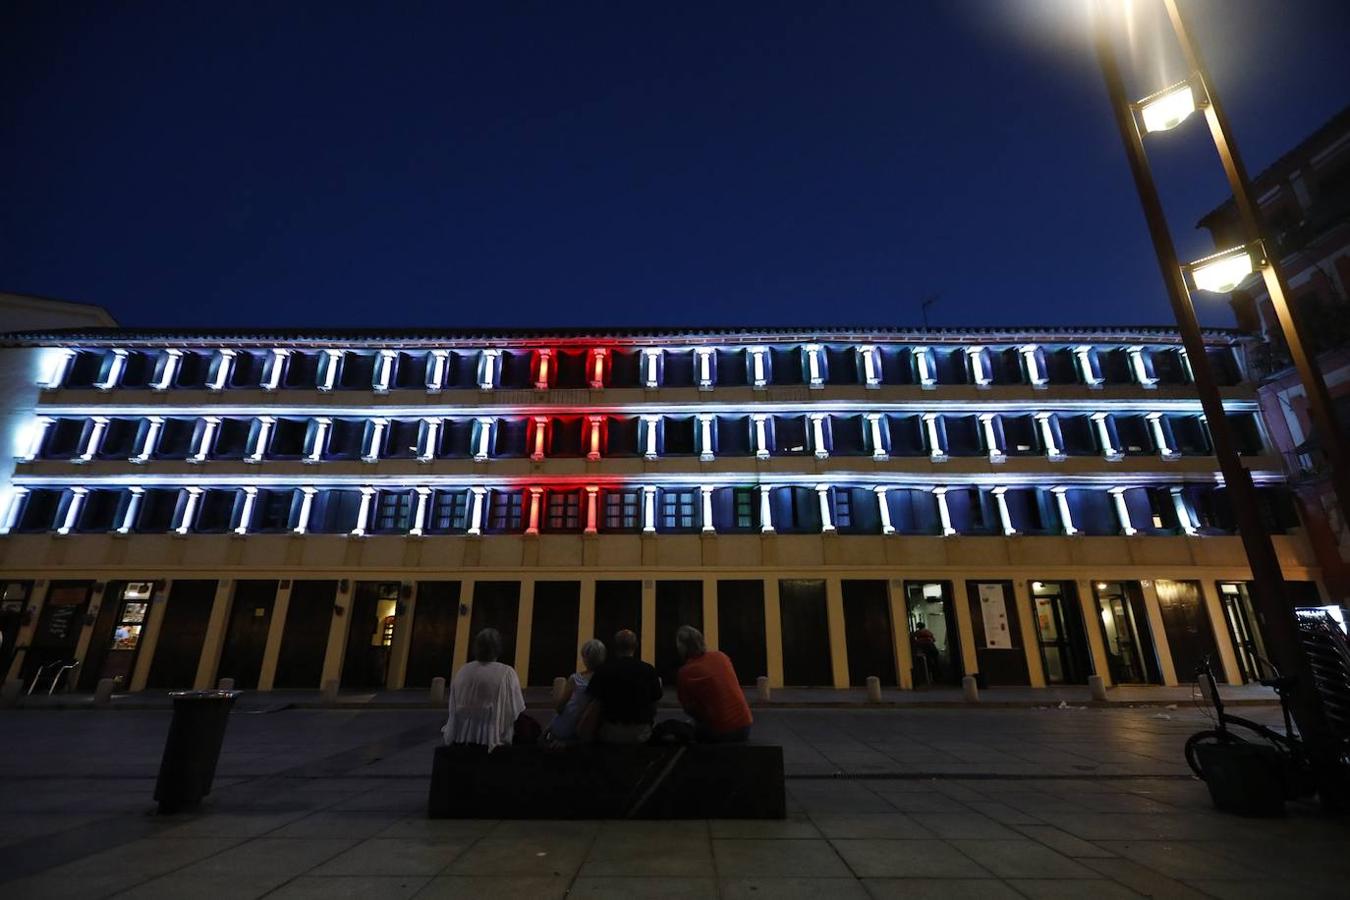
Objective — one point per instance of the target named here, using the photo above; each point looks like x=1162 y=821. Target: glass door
x=1121 y=628
x=1059 y=633
x=1241 y=619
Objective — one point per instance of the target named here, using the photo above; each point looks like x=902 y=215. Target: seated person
x=626 y=689
x=709 y=690
x=485 y=697
x=566 y=727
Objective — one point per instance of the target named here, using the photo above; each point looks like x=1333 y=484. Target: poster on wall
x=994 y=612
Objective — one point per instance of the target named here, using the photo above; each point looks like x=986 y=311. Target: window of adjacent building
x=678 y=369
x=843 y=509
x=963 y=435
x=1167 y=365
x=65 y=438
x=622 y=510
x=194 y=366
x=233 y=438
x=1132 y=434
x=907 y=435
x=676 y=511
x=624 y=367
x=735 y=436
x=1005 y=365
x=848 y=435
x=39 y=510
x=915 y=511
x=679 y=436
x=358 y=371
x=841 y=365
x=401 y=439
x=1032 y=511
x=1246 y=433
x=1188 y=435
x=565 y=439
x=504 y=511
x=1277 y=509
x=393 y=511
x=1115 y=365
x=100 y=511
x=621 y=436
x=897 y=364
x=215 y=510
x=272 y=510
x=570 y=369
x=563 y=511
x=248 y=368
x=157 y=509
x=745 y=509
x=85 y=369
x=1061 y=367
x=1161 y=511
x=796 y=510
x=1019 y=436
x=302 y=369
x=334 y=512
x=138 y=369
x=449 y=511
x=785 y=365
x=288 y=438
x=1078 y=435
x=517 y=369
x=1223 y=366
x=1093 y=511
x=454 y=438
x=176 y=438
x=511 y=438
x=951 y=365
x=790 y=436
x=121 y=438
x=732 y=368
x=1211 y=509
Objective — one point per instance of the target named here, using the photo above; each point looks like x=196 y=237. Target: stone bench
x=598 y=781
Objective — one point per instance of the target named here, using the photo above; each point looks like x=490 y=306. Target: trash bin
x=1243 y=778
x=192 y=748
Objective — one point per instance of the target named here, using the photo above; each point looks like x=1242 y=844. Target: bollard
x=762 y=685
x=438 y=690
x=559 y=685
x=1097 y=687
x=329 y=692
x=192 y=748
x=971 y=689
x=225 y=684
x=873 y=689
x=103 y=693
x=9 y=694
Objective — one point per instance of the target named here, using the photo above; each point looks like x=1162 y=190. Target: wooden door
x=304 y=636
x=1186 y=622
x=246 y=632
x=618 y=605
x=182 y=633
x=677 y=603
x=496 y=604
x=806 y=633
x=432 y=654
x=553 y=634
x=868 y=633
x=740 y=627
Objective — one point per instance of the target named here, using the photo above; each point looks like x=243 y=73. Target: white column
x=77 y=495
x=759 y=370
x=815 y=370
x=245 y=510
x=487 y=369
x=705 y=371
x=818 y=436
x=419 y=522
x=650 y=359
x=596 y=425
x=115 y=370
x=707 y=492
x=878 y=443
x=1109 y=449
x=536 y=501
x=1122 y=511
x=1052 y=450
x=95 y=437
x=38 y=435
x=1004 y=516
x=173 y=359
x=1032 y=364
x=149 y=439
x=923 y=363
x=1083 y=354
x=204 y=442
x=765 y=509
x=363 y=513
x=883 y=504
x=871 y=362
x=597 y=379
x=944 y=513
x=541 y=382
x=431 y=429
x=650 y=426
x=276 y=363
x=60 y=366
x=1062 y=501
x=12 y=509
x=224 y=368
x=592 y=509
x=996 y=454
x=384 y=371
x=936 y=451
x=826 y=514
x=306 y=504
x=1186 y=365
x=649 y=509
x=761 y=435
x=1159 y=436
x=437 y=363
x=1136 y=355
x=1183 y=512
x=476 y=509
x=977 y=369
x=332 y=359
x=705 y=437
x=377 y=427
x=189 y=512
x=134 y=507
x=320 y=440
x=540 y=436
x=484 y=448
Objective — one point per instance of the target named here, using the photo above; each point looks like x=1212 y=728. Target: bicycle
x=1295 y=764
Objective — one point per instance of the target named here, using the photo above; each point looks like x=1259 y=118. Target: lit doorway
x=1241 y=619
x=1129 y=644
x=931 y=623
x=1059 y=632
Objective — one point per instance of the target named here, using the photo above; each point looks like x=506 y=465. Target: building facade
x=297 y=509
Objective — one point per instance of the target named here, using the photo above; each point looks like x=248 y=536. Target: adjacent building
x=292 y=509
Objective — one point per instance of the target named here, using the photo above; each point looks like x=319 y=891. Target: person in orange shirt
x=709 y=690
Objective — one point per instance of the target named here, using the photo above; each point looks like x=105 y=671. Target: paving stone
x=878 y=858
x=793 y=827
x=1062 y=841
x=488 y=887
x=1021 y=859
x=393 y=856
x=558 y=854
x=658 y=888
x=870 y=825
x=375 y=887
x=1184 y=861
x=1071 y=889
x=791 y=888
x=815 y=859
x=964 y=825
x=640 y=854
x=1139 y=878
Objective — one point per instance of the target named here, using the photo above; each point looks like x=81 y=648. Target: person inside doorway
x=926 y=648
x=626 y=689
x=572 y=725
x=485 y=697
x=709 y=690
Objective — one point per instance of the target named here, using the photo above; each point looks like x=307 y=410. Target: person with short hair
x=626 y=689
x=566 y=725
x=709 y=690
x=485 y=697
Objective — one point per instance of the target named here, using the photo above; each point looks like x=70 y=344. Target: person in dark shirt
x=625 y=689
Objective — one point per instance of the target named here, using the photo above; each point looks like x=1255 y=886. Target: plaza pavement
x=883 y=802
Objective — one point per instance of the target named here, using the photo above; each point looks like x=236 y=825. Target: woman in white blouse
x=485 y=697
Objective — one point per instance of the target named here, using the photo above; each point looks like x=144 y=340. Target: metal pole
x=1276 y=616
x=1328 y=433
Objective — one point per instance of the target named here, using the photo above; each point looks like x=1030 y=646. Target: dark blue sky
x=512 y=163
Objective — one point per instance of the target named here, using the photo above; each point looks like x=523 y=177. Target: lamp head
x=1222 y=272
x=1168 y=108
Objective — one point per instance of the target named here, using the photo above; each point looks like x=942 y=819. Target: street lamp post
x=1276 y=615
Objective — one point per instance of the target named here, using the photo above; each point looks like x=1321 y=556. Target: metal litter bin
x=192 y=748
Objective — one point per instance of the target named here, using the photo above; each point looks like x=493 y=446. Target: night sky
x=569 y=163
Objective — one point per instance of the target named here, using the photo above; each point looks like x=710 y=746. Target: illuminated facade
x=300 y=509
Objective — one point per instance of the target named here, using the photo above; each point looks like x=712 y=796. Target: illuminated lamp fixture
x=1224 y=271
x=1167 y=108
